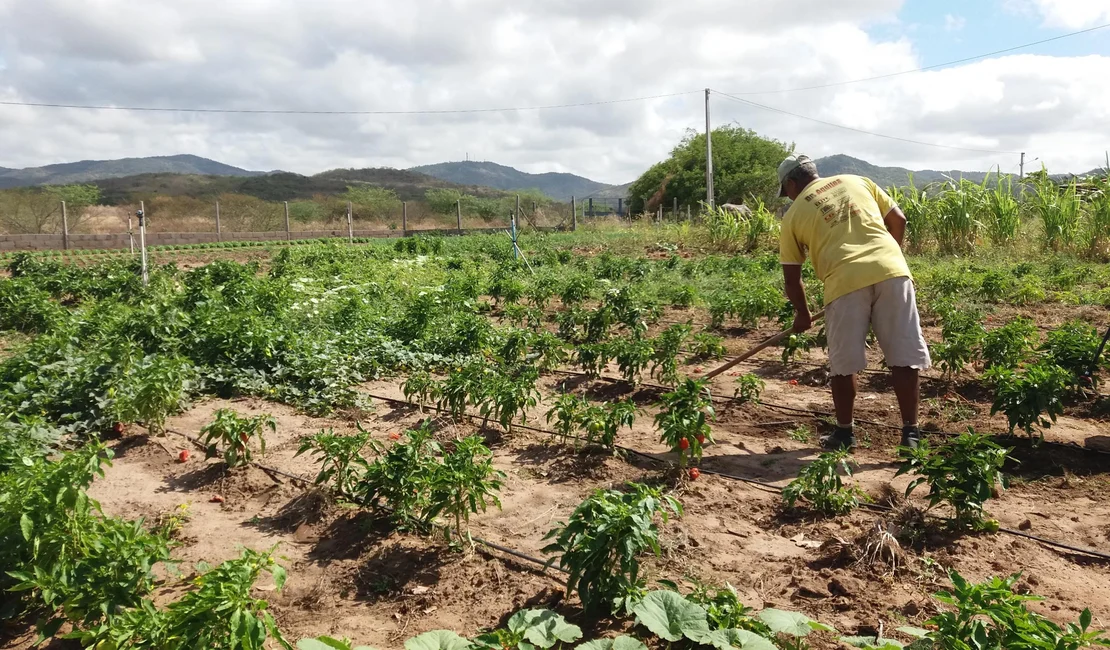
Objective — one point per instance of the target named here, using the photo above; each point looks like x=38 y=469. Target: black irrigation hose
x=763 y=484
x=477 y=540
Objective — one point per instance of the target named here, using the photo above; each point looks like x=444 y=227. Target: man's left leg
x=897 y=326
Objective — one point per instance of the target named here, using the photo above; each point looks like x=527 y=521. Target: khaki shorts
x=890 y=309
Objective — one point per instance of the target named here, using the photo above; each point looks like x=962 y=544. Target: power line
x=928 y=67
x=255 y=111
x=748 y=102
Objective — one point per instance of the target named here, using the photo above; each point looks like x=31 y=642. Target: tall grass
x=1058 y=210
x=1096 y=230
x=1001 y=212
x=957 y=222
x=733 y=231
x=919 y=211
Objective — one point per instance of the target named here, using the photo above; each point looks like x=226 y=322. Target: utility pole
x=142 y=241
x=708 y=155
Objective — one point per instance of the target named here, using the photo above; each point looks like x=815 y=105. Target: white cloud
x=1070 y=14
x=450 y=54
x=954 y=23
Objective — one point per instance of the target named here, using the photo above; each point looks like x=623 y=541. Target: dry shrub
x=877 y=550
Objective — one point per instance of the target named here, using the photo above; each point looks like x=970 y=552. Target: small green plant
x=464 y=483
x=704 y=345
x=683 y=419
x=220 y=612
x=724 y=611
x=632 y=356
x=339 y=456
x=567 y=413
x=800 y=433
x=1072 y=346
x=962 y=473
x=821 y=485
x=797 y=345
x=962 y=333
x=235 y=434
x=602 y=424
x=1030 y=397
x=509 y=395
x=1009 y=345
x=527 y=630
x=160 y=385
x=398 y=477
x=600 y=545
x=667 y=346
x=990 y=615
x=748 y=388
x=421 y=387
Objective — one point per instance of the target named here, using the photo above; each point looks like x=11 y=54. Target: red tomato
x=118 y=427
x=697 y=370
x=183 y=456
x=793 y=382
x=684 y=444
x=701 y=440
x=243 y=438
x=694 y=473
x=394 y=436
x=216 y=499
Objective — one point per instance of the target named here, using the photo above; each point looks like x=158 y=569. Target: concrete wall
x=120 y=240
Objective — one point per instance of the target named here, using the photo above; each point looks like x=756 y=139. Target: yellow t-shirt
x=840 y=221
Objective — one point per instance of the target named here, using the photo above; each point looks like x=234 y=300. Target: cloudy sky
x=1051 y=101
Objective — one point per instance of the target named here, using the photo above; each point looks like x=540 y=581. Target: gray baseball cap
x=792 y=162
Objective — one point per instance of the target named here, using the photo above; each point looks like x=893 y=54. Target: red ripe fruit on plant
x=117 y=427
x=793 y=382
x=684 y=444
x=694 y=473
x=701 y=440
x=243 y=438
x=183 y=456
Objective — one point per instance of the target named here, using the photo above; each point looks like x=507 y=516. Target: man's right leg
x=847 y=321
x=898 y=327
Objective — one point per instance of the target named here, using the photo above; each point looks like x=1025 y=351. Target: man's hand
x=802 y=321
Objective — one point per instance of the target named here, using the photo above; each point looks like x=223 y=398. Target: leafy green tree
x=372 y=201
x=744 y=164
x=442 y=201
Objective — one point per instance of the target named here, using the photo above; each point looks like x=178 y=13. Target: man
x=853 y=233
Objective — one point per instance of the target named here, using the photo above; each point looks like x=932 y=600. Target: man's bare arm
x=896 y=224
x=796 y=292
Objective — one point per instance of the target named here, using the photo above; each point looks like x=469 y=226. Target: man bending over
x=853 y=234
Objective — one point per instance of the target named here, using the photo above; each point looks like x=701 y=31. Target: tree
x=372 y=201
x=442 y=201
x=744 y=165
x=39 y=210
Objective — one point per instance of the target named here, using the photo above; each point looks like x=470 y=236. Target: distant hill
x=888 y=176
x=93 y=170
x=276 y=186
x=611 y=192
x=558 y=186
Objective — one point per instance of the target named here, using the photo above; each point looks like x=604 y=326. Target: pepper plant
x=568 y=413
x=1030 y=397
x=820 y=484
x=601 y=424
x=749 y=387
x=464 y=483
x=683 y=419
x=339 y=456
x=601 y=543
x=962 y=472
x=509 y=394
x=235 y=433
x=399 y=476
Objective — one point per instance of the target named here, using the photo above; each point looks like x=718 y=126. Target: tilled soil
x=352 y=575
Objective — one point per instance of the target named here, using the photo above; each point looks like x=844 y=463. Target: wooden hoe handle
x=777 y=338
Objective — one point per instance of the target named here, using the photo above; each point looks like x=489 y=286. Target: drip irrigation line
x=477 y=540
x=743 y=479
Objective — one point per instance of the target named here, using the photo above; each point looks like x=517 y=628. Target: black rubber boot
x=911 y=436
x=840 y=438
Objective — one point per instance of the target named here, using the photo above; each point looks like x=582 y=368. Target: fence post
x=404 y=219
x=676 y=209
x=591 y=212
x=288 y=232
x=516 y=215
x=573 y=215
x=687 y=211
x=142 y=240
x=350 y=224
x=659 y=215
x=458 y=214
x=130 y=234
x=620 y=207
x=65 y=228
x=219 y=235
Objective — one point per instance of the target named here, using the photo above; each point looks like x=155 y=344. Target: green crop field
x=430 y=442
